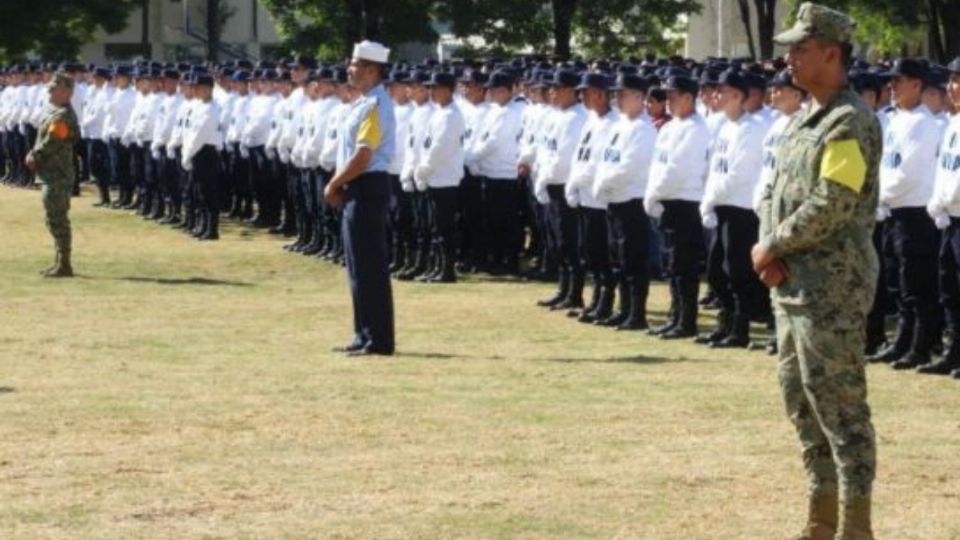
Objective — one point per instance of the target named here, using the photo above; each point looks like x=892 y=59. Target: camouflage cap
x=60 y=78
x=814 y=20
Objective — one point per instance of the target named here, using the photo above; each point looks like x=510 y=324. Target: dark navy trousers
x=366 y=211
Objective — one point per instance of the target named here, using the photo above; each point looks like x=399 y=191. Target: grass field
x=179 y=389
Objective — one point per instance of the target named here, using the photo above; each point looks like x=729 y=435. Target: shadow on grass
x=185 y=281
x=7 y=389
x=444 y=356
x=635 y=359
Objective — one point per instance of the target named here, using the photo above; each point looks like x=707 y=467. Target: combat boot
x=919 y=353
x=822 y=519
x=563 y=289
x=418 y=266
x=399 y=258
x=603 y=308
x=592 y=306
x=574 y=299
x=433 y=267
x=739 y=336
x=723 y=329
x=62 y=269
x=901 y=343
x=856 y=520
x=447 y=270
x=637 y=320
x=623 y=310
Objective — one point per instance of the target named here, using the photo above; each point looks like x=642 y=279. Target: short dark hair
x=658 y=94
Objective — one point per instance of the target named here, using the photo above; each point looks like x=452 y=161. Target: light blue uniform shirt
x=370 y=123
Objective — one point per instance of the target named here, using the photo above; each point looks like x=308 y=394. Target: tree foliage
x=56 y=29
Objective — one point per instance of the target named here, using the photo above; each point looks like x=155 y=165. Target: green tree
x=328 y=28
x=624 y=27
x=56 y=29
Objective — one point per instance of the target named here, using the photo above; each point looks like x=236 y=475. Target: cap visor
x=792 y=36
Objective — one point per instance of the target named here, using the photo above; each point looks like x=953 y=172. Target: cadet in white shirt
x=673 y=195
x=202 y=142
x=492 y=156
x=944 y=209
x=182 y=203
x=401 y=203
x=167 y=202
x=119 y=109
x=81 y=161
x=332 y=240
x=534 y=126
x=594 y=245
x=94 y=115
x=474 y=234
x=256 y=131
x=907 y=173
x=286 y=116
x=554 y=159
x=735 y=166
x=417 y=262
x=623 y=168
x=238 y=158
x=441 y=169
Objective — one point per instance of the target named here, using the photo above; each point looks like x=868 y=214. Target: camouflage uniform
x=817 y=216
x=53 y=153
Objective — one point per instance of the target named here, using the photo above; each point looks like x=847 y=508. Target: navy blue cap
x=270 y=75
x=475 y=76
x=340 y=75
x=909 y=67
x=398 y=76
x=203 y=80
x=122 y=71
x=103 y=73
x=441 y=78
x=735 y=79
x=303 y=61
x=680 y=83
x=631 y=81
x=755 y=80
x=244 y=64
x=564 y=77
x=594 y=80
x=954 y=65
x=418 y=77
x=241 y=76
x=938 y=77
x=783 y=79
x=500 y=79
x=171 y=74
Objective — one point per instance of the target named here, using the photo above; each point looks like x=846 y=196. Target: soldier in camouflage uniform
x=815 y=252
x=52 y=160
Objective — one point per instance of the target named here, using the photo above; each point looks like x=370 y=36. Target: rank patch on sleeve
x=843 y=163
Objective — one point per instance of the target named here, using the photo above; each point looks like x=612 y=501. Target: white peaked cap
x=371 y=51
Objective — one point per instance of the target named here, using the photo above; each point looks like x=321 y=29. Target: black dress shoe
x=370 y=351
x=350 y=347
x=679 y=333
x=910 y=361
x=940 y=367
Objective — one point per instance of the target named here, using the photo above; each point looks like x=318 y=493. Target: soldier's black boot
x=433 y=266
x=574 y=299
x=673 y=315
x=418 y=267
x=901 y=343
x=951 y=357
x=919 y=353
x=399 y=258
x=563 y=289
x=63 y=268
x=604 y=307
x=876 y=335
x=638 y=309
x=623 y=310
x=212 y=229
x=723 y=329
x=687 y=321
x=594 y=300
x=447 y=269
x=739 y=336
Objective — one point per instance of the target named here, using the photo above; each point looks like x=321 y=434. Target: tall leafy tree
x=329 y=28
x=56 y=29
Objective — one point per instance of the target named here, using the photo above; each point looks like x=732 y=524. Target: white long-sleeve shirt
x=238 y=118
x=143 y=119
x=679 y=167
x=338 y=115
x=583 y=167
x=909 y=161
x=561 y=144
x=771 y=142
x=204 y=129
x=441 y=164
x=734 y=166
x=166 y=119
x=309 y=145
x=416 y=136
x=945 y=200
x=474 y=118
x=259 y=120
x=402 y=115
x=624 y=167
x=290 y=124
x=496 y=148
x=119 y=109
